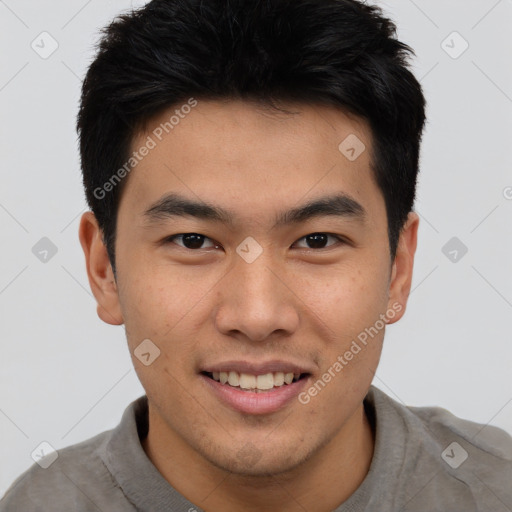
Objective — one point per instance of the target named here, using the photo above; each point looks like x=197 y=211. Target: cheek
x=155 y=299
x=348 y=298
x=169 y=308
x=146 y=305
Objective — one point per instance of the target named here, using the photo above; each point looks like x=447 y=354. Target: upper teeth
x=247 y=381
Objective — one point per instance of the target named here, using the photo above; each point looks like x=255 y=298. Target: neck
x=321 y=483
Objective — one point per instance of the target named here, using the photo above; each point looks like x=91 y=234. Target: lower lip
x=249 y=402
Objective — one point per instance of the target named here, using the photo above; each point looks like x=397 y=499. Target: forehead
x=244 y=155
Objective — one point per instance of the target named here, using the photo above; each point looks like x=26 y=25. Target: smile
x=255 y=383
x=255 y=389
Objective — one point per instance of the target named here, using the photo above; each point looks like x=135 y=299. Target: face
x=251 y=248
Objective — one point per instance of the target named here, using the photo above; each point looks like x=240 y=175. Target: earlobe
x=401 y=273
x=99 y=270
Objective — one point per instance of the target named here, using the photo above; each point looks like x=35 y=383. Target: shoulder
x=485 y=442
x=76 y=480
x=451 y=461
x=475 y=458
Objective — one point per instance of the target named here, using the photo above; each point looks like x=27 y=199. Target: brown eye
x=191 y=241
x=319 y=240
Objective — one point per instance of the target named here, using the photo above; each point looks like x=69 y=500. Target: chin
x=262 y=469
x=250 y=461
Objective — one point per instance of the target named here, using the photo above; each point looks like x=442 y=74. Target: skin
x=204 y=306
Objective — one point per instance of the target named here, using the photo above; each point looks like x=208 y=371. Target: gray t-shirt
x=425 y=460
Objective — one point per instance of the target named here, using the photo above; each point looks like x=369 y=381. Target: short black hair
x=342 y=53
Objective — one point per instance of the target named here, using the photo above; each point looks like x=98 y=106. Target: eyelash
x=340 y=240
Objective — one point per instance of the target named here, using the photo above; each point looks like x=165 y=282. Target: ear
x=401 y=273
x=99 y=270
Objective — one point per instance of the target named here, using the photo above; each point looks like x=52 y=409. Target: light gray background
x=66 y=376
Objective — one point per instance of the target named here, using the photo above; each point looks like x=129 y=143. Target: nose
x=256 y=302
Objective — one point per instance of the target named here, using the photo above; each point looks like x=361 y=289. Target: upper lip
x=260 y=368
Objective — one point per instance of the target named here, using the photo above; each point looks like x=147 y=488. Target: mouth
x=255 y=388
x=255 y=383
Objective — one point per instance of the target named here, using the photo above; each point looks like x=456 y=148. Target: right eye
x=192 y=241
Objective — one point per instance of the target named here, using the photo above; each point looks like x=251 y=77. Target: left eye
x=319 y=240
x=192 y=241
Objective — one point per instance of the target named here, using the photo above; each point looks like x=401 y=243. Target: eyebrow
x=175 y=205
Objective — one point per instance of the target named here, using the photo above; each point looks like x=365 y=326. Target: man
x=251 y=170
